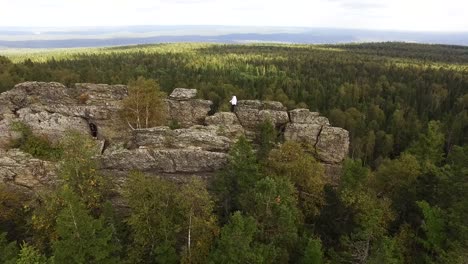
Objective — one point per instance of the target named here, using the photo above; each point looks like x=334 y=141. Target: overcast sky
x=420 y=15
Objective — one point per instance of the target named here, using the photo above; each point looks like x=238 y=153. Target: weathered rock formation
x=329 y=144
x=200 y=147
x=21 y=170
x=185 y=110
x=50 y=109
x=252 y=113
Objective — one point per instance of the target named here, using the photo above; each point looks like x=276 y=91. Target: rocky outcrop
x=227 y=124
x=25 y=172
x=304 y=116
x=53 y=125
x=200 y=147
x=197 y=137
x=332 y=145
x=252 y=113
x=51 y=108
x=329 y=144
x=183 y=94
x=186 y=111
x=164 y=160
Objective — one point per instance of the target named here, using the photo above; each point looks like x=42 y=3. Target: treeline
x=384 y=94
x=270 y=206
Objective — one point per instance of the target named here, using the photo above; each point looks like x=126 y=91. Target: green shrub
x=38 y=147
x=173 y=124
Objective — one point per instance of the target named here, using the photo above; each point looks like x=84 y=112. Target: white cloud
x=373 y=14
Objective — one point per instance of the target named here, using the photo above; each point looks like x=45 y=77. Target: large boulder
x=333 y=144
x=305 y=133
x=183 y=94
x=188 y=112
x=304 y=116
x=227 y=124
x=329 y=144
x=252 y=113
x=22 y=170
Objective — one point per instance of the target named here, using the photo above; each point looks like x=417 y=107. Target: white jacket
x=233 y=100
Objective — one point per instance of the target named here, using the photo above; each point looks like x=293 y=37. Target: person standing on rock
x=233 y=103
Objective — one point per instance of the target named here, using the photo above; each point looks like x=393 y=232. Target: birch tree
x=144 y=107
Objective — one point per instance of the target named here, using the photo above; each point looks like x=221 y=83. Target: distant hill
x=18 y=37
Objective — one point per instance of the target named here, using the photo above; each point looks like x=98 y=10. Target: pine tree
x=81 y=238
x=237 y=243
x=237 y=178
x=29 y=255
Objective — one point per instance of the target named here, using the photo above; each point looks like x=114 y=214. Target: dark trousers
x=233 y=107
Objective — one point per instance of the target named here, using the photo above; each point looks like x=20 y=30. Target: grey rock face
x=252 y=113
x=164 y=160
x=329 y=144
x=52 y=125
x=304 y=116
x=51 y=108
x=183 y=94
x=222 y=118
x=333 y=144
x=196 y=137
x=304 y=133
x=227 y=124
x=100 y=94
x=24 y=171
x=6 y=134
x=188 y=112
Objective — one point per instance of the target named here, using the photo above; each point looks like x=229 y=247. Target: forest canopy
x=402 y=195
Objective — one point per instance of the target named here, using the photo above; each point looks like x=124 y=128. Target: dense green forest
x=403 y=192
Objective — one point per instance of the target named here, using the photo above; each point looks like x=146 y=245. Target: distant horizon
x=69 y=28
x=398 y=15
x=99 y=36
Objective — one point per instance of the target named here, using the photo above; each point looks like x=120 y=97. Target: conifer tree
x=81 y=238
